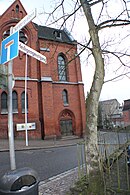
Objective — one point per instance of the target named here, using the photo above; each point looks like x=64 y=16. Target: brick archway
x=66 y=123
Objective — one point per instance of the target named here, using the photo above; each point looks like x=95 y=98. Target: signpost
x=31 y=52
x=10 y=47
x=30 y=126
x=25 y=21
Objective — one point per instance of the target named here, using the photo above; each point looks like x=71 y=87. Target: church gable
x=15 y=12
x=13 y=15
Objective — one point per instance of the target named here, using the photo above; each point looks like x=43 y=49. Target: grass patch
x=80 y=187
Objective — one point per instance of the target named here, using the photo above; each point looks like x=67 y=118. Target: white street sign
x=31 y=52
x=22 y=126
x=25 y=21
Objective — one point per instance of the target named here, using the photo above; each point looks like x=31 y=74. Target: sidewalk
x=60 y=184
x=36 y=144
x=57 y=185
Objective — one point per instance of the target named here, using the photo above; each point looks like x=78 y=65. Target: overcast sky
x=112 y=90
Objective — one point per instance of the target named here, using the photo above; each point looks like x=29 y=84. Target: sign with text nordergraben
x=29 y=17
x=9 y=48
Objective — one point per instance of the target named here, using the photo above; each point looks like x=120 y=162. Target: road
x=47 y=162
x=50 y=162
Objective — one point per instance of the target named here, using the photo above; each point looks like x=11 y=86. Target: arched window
x=22 y=36
x=4 y=99
x=23 y=102
x=15 y=102
x=62 y=68
x=17 y=9
x=65 y=97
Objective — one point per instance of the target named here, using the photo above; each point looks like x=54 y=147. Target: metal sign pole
x=26 y=129
x=10 y=115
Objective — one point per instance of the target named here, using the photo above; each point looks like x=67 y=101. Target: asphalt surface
x=47 y=162
x=48 y=157
x=61 y=183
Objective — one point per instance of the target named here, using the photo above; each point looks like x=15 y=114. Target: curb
x=59 y=176
x=41 y=147
x=59 y=184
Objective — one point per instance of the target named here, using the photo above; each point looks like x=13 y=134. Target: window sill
x=15 y=112
x=66 y=105
x=4 y=112
x=23 y=112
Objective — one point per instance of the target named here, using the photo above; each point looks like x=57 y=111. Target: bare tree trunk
x=91 y=142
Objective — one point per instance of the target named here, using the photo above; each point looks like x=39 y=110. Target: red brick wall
x=45 y=102
x=126 y=112
x=126 y=117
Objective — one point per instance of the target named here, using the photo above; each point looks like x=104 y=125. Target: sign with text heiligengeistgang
x=9 y=48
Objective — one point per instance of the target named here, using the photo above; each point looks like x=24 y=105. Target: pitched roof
x=49 y=33
x=126 y=105
x=53 y=34
x=109 y=102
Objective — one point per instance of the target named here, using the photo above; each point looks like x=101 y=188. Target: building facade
x=126 y=112
x=110 y=112
x=55 y=91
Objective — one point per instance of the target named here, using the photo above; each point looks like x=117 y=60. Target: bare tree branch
x=51 y=14
x=95 y=2
x=113 y=23
x=112 y=79
x=116 y=54
x=65 y=17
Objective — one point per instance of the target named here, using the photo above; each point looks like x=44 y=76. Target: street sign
x=25 y=21
x=9 y=48
x=31 y=52
x=22 y=126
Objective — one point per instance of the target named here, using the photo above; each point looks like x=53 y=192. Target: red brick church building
x=55 y=91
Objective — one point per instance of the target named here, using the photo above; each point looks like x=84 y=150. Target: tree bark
x=91 y=142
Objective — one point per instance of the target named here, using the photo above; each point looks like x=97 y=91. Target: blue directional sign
x=9 y=48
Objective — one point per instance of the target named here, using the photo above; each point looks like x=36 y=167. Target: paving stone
x=60 y=184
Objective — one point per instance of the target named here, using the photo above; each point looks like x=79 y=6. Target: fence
x=113 y=150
